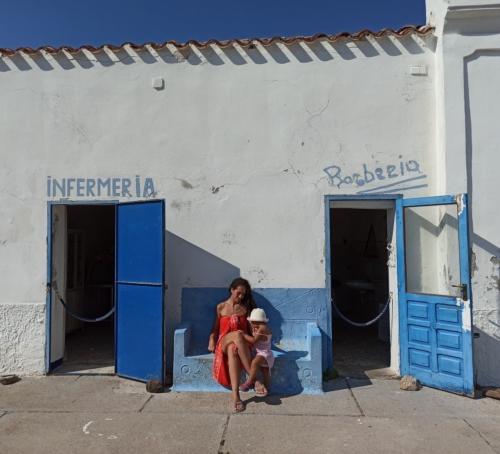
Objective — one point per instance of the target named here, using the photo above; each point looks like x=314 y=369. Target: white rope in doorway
x=364 y=324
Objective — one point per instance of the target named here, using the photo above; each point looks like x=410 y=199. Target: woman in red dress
x=232 y=352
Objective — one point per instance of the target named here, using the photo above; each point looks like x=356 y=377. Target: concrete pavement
x=100 y=414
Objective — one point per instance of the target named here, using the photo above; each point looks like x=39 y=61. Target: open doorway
x=360 y=233
x=83 y=269
x=101 y=257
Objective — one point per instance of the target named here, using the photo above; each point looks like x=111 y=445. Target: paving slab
x=110 y=414
x=177 y=403
x=123 y=433
x=69 y=393
x=384 y=398
x=337 y=401
x=488 y=428
x=334 y=434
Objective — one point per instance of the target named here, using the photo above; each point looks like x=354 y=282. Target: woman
x=227 y=340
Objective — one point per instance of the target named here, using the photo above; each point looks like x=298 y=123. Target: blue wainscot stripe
x=299 y=321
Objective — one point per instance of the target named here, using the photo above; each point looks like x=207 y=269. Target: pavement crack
x=354 y=397
x=223 y=437
x=2 y=413
x=145 y=403
x=480 y=434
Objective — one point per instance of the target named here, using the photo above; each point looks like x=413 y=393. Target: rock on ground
x=409 y=383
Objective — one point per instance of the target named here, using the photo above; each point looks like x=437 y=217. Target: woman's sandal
x=239 y=406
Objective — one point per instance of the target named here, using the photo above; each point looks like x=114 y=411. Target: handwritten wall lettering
x=369 y=174
x=100 y=187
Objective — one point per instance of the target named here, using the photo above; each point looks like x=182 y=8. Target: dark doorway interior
x=360 y=290
x=89 y=347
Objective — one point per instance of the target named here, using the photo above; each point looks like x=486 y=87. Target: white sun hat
x=258 y=315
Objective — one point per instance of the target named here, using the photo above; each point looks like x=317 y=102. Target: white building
x=278 y=160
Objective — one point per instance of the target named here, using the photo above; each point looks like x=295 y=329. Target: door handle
x=463 y=291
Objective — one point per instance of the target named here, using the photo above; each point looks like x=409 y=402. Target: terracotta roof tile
x=363 y=34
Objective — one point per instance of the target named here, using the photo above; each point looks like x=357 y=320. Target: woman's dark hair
x=248 y=301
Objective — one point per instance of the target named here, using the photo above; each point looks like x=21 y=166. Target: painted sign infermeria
x=100 y=187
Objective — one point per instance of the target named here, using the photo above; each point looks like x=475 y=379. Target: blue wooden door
x=435 y=292
x=140 y=258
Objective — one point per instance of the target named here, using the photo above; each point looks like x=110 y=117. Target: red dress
x=227 y=324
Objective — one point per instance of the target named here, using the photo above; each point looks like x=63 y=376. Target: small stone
x=9 y=379
x=409 y=383
x=494 y=393
x=154 y=386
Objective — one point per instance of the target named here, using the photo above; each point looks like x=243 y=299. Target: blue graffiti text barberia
x=370 y=174
x=100 y=187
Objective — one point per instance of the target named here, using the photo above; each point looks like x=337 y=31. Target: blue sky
x=75 y=22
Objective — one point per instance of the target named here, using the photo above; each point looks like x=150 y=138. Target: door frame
x=328 y=360
x=48 y=298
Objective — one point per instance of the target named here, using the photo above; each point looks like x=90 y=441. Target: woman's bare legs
x=243 y=352
x=234 y=375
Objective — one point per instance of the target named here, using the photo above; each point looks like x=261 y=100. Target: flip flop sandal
x=239 y=406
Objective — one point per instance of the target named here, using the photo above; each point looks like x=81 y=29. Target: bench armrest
x=182 y=338
x=314 y=341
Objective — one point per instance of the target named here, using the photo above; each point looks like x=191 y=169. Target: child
x=264 y=359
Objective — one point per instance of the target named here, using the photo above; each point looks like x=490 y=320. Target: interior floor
x=359 y=291
x=90 y=350
x=361 y=356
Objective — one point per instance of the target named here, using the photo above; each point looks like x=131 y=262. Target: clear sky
x=76 y=22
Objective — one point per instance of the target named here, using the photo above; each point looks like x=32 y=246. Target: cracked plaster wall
x=467 y=101
x=484 y=152
x=237 y=150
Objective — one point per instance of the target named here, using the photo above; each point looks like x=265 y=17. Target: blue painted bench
x=297 y=339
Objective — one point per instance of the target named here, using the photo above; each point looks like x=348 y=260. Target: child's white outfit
x=263 y=348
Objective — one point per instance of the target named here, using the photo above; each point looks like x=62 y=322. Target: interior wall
x=388 y=206
x=91 y=297
x=359 y=252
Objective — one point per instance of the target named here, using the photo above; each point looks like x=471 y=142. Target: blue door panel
x=140 y=236
x=435 y=330
x=140 y=332
x=140 y=258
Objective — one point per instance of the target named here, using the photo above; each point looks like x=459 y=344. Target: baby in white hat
x=264 y=359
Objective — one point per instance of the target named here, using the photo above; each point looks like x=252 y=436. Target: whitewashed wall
x=236 y=142
x=468 y=70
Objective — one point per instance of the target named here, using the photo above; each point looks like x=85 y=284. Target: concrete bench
x=297 y=343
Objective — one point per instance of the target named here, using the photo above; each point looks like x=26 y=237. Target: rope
x=79 y=317
x=370 y=322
